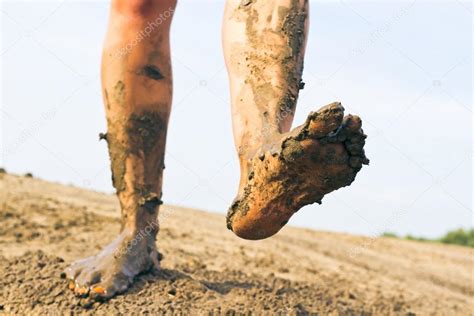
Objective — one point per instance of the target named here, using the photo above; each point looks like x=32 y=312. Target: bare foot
x=112 y=271
x=299 y=168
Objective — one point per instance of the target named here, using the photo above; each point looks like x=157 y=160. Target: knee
x=144 y=8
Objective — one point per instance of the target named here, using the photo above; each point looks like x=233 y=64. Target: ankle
x=143 y=233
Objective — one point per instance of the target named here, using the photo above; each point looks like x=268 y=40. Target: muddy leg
x=281 y=171
x=137 y=91
x=264 y=44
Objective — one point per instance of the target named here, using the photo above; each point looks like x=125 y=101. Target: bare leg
x=281 y=171
x=137 y=90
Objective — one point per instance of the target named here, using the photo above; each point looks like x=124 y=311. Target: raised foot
x=112 y=271
x=318 y=157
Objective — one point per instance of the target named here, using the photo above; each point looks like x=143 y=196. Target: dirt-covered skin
x=137 y=93
x=207 y=269
x=281 y=170
x=264 y=46
x=112 y=271
x=316 y=158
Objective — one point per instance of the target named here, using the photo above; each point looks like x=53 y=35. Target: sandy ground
x=206 y=270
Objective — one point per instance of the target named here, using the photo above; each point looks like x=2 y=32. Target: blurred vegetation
x=389 y=234
x=456 y=237
x=459 y=237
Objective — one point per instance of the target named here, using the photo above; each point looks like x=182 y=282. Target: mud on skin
x=151 y=71
x=145 y=132
x=316 y=158
x=293 y=27
x=142 y=136
x=118 y=154
x=147 y=136
x=138 y=140
x=119 y=93
x=112 y=270
x=150 y=202
x=287 y=171
x=287 y=57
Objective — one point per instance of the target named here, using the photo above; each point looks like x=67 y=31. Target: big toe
x=88 y=277
x=352 y=123
x=325 y=120
x=75 y=269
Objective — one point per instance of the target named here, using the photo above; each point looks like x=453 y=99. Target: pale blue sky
x=405 y=67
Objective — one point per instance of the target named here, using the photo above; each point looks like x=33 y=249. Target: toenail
x=82 y=290
x=99 y=290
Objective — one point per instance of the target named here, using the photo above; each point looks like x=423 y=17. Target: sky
x=405 y=67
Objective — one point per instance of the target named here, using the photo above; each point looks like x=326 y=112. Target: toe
x=355 y=149
x=74 y=270
x=89 y=277
x=80 y=289
x=355 y=141
x=355 y=162
x=98 y=290
x=84 y=280
x=325 y=120
x=352 y=123
x=101 y=292
x=71 y=285
x=110 y=287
